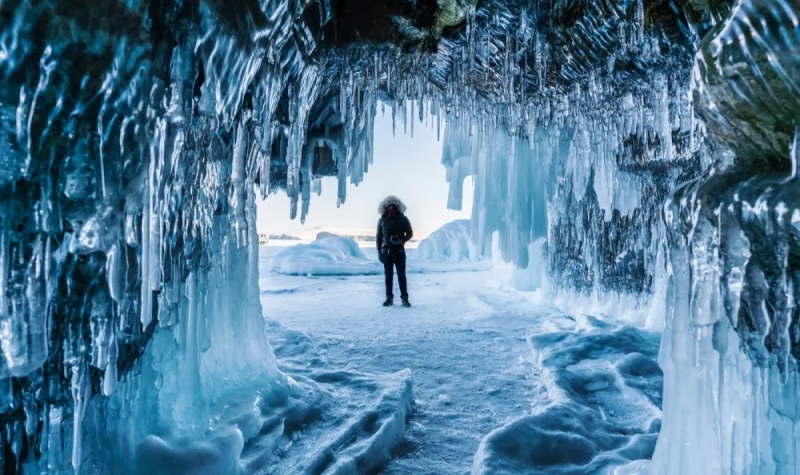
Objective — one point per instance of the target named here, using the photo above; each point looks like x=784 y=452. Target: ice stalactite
x=591 y=183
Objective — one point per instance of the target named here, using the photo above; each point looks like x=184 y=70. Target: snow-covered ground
x=475 y=377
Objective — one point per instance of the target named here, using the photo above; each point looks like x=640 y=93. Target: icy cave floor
x=502 y=383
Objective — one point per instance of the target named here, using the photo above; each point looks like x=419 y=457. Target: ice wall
x=133 y=137
x=731 y=341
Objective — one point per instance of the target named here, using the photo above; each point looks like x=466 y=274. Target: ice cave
x=634 y=165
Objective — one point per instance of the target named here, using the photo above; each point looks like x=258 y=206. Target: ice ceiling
x=134 y=135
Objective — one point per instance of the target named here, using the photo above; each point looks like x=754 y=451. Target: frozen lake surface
x=501 y=382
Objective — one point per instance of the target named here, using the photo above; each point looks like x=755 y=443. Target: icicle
x=411 y=117
x=794 y=154
x=622 y=35
x=394 y=121
x=405 y=116
x=538 y=55
x=101 y=328
x=639 y=22
x=5 y=265
x=115 y=271
x=55 y=441
x=31 y=408
x=190 y=364
x=237 y=198
x=376 y=66
x=389 y=78
x=110 y=375
x=661 y=115
x=81 y=390
x=157 y=163
x=146 y=309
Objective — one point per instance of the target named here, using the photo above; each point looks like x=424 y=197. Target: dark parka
x=399 y=225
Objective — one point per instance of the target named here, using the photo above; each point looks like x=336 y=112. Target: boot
x=405 y=301
x=389 y=301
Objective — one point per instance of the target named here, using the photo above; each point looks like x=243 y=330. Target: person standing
x=394 y=230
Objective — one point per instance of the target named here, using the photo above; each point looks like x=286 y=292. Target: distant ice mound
x=323 y=257
x=451 y=242
x=327 y=235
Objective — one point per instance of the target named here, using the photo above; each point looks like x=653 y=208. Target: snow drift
x=453 y=241
x=326 y=256
x=599 y=408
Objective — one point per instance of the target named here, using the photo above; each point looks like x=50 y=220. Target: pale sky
x=407 y=167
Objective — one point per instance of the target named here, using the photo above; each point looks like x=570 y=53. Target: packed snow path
x=466 y=343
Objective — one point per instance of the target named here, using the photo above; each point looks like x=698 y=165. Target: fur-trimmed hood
x=391 y=200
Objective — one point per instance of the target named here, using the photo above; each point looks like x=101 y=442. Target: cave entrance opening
x=406 y=163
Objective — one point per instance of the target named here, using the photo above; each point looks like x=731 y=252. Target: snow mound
x=452 y=242
x=325 y=257
x=601 y=409
x=360 y=418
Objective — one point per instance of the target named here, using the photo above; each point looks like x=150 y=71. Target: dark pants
x=395 y=258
